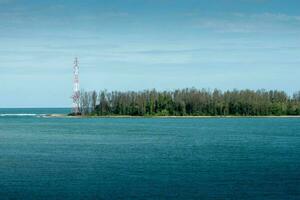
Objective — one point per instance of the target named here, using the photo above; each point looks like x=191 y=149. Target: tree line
x=189 y=102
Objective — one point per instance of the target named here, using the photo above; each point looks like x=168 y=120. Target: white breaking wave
x=22 y=115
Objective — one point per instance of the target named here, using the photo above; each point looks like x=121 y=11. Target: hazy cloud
x=247 y=23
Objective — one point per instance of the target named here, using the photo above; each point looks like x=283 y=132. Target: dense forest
x=190 y=102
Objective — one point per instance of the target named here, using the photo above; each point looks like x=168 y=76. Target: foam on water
x=22 y=115
x=31 y=112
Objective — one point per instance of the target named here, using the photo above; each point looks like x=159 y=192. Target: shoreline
x=187 y=117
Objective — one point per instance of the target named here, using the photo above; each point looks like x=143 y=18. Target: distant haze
x=136 y=45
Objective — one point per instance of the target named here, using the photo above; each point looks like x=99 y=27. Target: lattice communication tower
x=76 y=91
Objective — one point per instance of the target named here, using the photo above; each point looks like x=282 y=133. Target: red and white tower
x=76 y=92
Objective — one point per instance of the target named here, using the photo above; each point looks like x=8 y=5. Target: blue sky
x=144 y=44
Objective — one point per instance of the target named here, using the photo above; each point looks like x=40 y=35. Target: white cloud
x=249 y=23
x=220 y=25
x=277 y=17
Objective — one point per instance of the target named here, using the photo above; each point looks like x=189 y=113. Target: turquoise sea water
x=147 y=158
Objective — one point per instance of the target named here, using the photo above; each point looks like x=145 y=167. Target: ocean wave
x=21 y=115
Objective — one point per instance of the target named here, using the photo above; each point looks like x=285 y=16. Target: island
x=189 y=102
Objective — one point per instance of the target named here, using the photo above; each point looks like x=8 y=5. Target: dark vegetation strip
x=189 y=102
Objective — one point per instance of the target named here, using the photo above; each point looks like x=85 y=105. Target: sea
x=147 y=158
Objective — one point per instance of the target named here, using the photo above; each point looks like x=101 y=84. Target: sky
x=144 y=44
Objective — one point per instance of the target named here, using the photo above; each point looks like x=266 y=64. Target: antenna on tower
x=76 y=92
